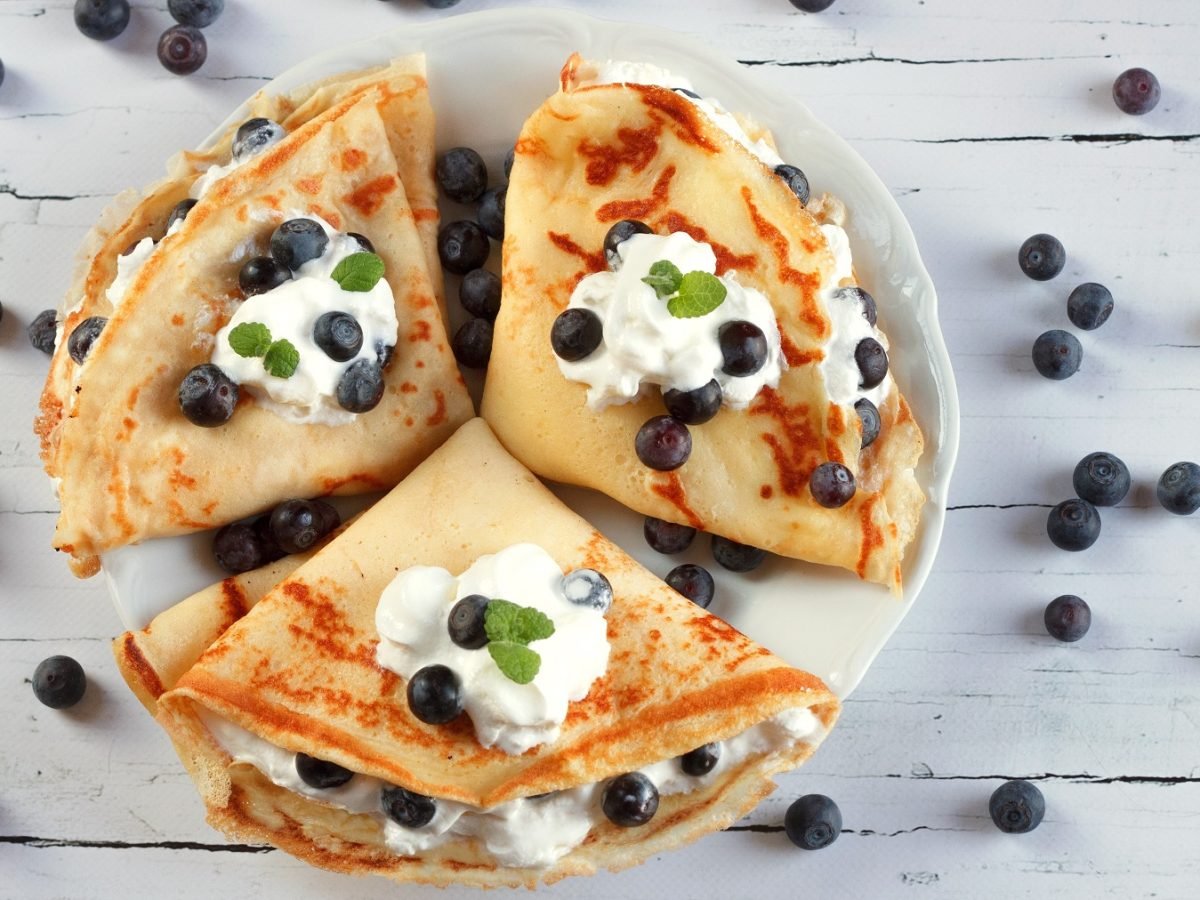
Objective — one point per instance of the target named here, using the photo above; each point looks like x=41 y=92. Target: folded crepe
x=299 y=674
x=129 y=465
x=594 y=154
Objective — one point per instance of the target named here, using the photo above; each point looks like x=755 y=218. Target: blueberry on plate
x=1017 y=807
x=630 y=800
x=441 y=4
x=101 y=20
x=255 y=135
x=701 y=760
x=1179 y=488
x=182 y=49
x=338 y=334
x=1057 y=354
x=260 y=274
x=466 y=622
x=1068 y=618
x=197 y=13
x=207 y=396
x=180 y=212
x=1101 y=478
x=472 y=344
x=435 y=695
x=491 y=212
x=855 y=294
x=1042 y=257
x=697 y=406
x=238 y=548
x=694 y=582
x=872 y=361
x=667 y=537
x=270 y=547
x=407 y=808
x=463 y=246
x=1 y=72
x=462 y=174
x=618 y=234
x=59 y=682
x=812 y=5
x=575 y=334
x=361 y=386
x=587 y=587
x=1136 y=91
x=796 y=181
x=297 y=241
x=736 y=557
x=663 y=443
x=743 y=348
x=509 y=158
x=1089 y=306
x=812 y=822
x=297 y=525
x=320 y=774
x=868 y=415
x=832 y=485
x=479 y=293
x=1073 y=525
x=42 y=330
x=79 y=344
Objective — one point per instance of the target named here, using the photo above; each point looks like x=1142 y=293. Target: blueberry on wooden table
x=617 y=234
x=575 y=334
x=697 y=406
x=1057 y=354
x=182 y=49
x=260 y=274
x=1179 y=488
x=197 y=13
x=472 y=343
x=255 y=135
x=435 y=695
x=1101 y=479
x=663 y=443
x=587 y=587
x=59 y=682
x=207 y=396
x=813 y=822
x=701 y=760
x=1089 y=306
x=812 y=5
x=441 y=4
x=463 y=246
x=667 y=537
x=1067 y=618
x=491 y=211
x=466 y=622
x=796 y=181
x=1136 y=91
x=101 y=20
x=461 y=174
x=694 y=582
x=868 y=415
x=736 y=557
x=630 y=800
x=832 y=485
x=1073 y=525
x=1042 y=257
x=42 y=330
x=407 y=808
x=1017 y=807
x=320 y=774
x=297 y=241
x=479 y=292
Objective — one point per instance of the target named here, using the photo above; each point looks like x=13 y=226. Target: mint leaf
x=281 y=359
x=699 y=294
x=664 y=277
x=517 y=662
x=532 y=625
x=499 y=620
x=358 y=272
x=250 y=339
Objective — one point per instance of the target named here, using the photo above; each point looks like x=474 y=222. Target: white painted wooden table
x=989 y=121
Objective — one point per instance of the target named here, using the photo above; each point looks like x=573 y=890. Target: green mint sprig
x=510 y=629
x=358 y=272
x=253 y=339
x=688 y=296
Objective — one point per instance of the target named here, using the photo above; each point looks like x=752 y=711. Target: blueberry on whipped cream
x=252 y=137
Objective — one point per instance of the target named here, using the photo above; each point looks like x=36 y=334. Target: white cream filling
x=412 y=618
x=211 y=176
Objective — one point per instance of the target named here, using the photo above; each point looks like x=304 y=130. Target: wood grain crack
x=41 y=843
x=904 y=61
x=1114 y=138
x=14 y=193
x=1079 y=778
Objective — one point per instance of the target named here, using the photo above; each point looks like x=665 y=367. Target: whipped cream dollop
x=412 y=618
x=526 y=832
x=290 y=312
x=644 y=344
x=615 y=71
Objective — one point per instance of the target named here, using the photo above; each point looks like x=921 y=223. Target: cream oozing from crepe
x=412 y=618
x=290 y=312
x=215 y=173
x=644 y=344
x=527 y=832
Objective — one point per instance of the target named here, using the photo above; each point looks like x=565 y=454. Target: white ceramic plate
x=487 y=73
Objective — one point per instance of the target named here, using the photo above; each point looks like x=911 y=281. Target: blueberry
x=182 y=49
x=1179 y=489
x=813 y=821
x=868 y=415
x=383 y=353
x=270 y=547
x=1057 y=354
x=687 y=93
x=435 y=695
x=1136 y=91
x=509 y=158
x=872 y=363
x=1 y=71
x=362 y=240
x=407 y=808
x=207 y=396
x=463 y=246
x=79 y=344
x=197 y=13
x=576 y=333
x=701 y=760
x=743 y=348
x=796 y=181
x=855 y=294
x=694 y=407
x=339 y=335
x=630 y=800
x=1017 y=807
x=736 y=557
x=694 y=582
x=260 y=274
x=491 y=212
x=663 y=443
x=479 y=294
x=466 y=622
x=255 y=135
x=101 y=20
x=462 y=174
x=441 y=4
x=667 y=537
x=472 y=344
x=297 y=241
x=239 y=548
x=1073 y=525
x=59 y=682
x=587 y=587
x=812 y=5
x=320 y=774
x=297 y=525
x=1089 y=306
x=179 y=213
x=832 y=485
x=1068 y=618
x=43 y=329
x=361 y=386
x=619 y=233
x=1042 y=257
x=1101 y=479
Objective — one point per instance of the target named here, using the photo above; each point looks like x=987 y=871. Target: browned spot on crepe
x=671 y=490
x=639 y=209
x=683 y=112
x=438 y=416
x=421 y=331
x=766 y=491
x=310 y=185
x=594 y=260
x=136 y=660
x=796 y=450
x=794 y=355
x=872 y=535
x=638 y=147
x=368 y=198
x=727 y=260
x=808 y=282
x=352 y=158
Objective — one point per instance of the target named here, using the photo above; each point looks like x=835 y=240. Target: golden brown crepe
x=591 y=156
x=299 y=671
x=132 y=466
